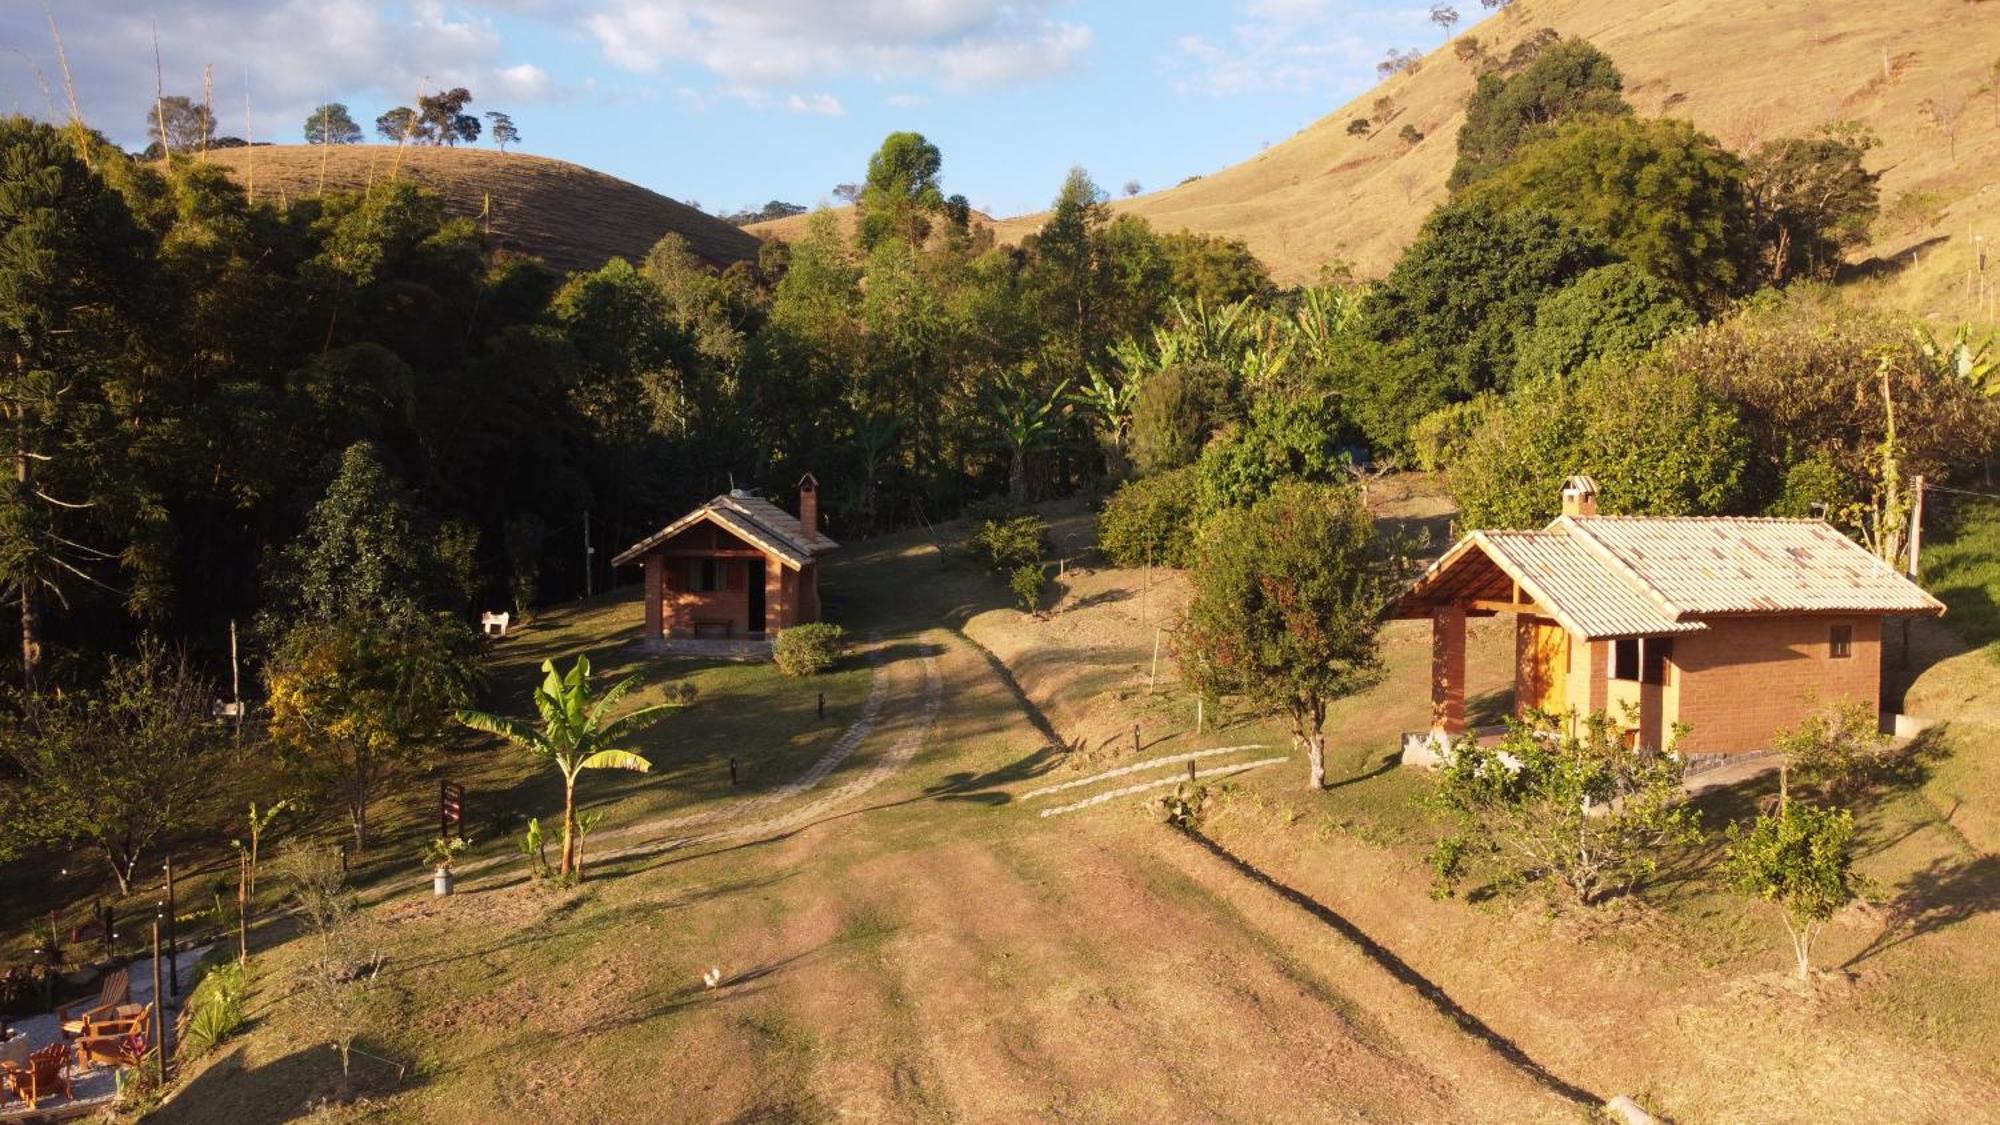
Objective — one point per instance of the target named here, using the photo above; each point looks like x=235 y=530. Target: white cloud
x=755 y=44
x=1294 y=46
x=823 y=105
x=524 y=81
x=287 y=55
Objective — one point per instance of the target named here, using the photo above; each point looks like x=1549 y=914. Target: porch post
x=656 y=573
x=1448 y=671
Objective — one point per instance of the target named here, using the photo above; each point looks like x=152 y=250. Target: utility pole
x=588 y=551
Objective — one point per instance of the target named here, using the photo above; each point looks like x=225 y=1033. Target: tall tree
x=1064 y=275
x=71 y=264
x=442 y=120
x=901 y=192
x=501 y=128
x=1660 y=193
x=353 y=699
x=330 y=124
x=188 y=124
x=1506 y=112
x=115 y=767
x=365 y=554
x=1811 y=198
x=1288 y=601
x=398 y=125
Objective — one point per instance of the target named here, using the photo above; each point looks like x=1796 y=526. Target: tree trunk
x=121 y=868
x=359 y=802
x=1316 y=760
x=1017 y=475
x=569 y=827
x=31 y=639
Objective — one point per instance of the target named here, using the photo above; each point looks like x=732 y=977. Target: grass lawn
x=912 y=940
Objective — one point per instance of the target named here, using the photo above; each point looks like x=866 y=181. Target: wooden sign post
x=451 y=809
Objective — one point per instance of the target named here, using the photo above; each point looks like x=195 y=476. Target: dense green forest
x=347 y=425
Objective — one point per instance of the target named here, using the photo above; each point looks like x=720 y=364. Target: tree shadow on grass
x=285 y=1089
x=1941 y=895
x=1403 y=971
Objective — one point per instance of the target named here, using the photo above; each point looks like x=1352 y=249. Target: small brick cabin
x=738 y=567
x=1736 y=627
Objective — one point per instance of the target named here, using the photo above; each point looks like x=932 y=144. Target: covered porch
x=1614 y=658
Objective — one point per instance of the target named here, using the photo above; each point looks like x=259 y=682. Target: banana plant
x=575 y=734
x=1028 y=419
x=1966 y=355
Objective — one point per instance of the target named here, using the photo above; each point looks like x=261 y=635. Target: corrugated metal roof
x=1616 y=576
x=1577 y=589
x=1698 y=566
x=750 y=518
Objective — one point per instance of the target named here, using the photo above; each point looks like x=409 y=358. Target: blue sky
x=734 y=102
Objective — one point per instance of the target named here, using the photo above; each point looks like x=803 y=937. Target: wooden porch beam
x=1489 y=606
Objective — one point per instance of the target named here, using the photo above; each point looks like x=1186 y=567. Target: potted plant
x=440 y=856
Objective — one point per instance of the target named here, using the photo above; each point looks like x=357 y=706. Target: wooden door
x=1546 y=679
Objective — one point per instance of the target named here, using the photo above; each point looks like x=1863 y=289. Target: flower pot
x=441 y=882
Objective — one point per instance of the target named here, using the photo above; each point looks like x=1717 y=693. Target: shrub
x=1838 y=748
x=1176 y=410
x=1800 y=858
x=1582 y=811
x=1152 y=521
x=1011 y=542
x=1028 y=583
x=215 y=1008
x=1614 y=310
x=808 y=650
x=1287 y=437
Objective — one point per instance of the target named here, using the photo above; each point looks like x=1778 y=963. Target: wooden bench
x=714 y=628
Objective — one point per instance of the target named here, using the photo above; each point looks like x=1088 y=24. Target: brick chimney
x=1579 y=496
x=809 y=503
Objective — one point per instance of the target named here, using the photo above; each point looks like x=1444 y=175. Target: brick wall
x=1743 y=679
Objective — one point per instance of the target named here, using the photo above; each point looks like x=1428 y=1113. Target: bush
x=1011 y=542
x=1152 y=521
x=1839 y=748
x=1614 y=310
x=1580 y=811
x=1176 y=410
x=1028 y=583
x=215 y=1008
x=808 y=650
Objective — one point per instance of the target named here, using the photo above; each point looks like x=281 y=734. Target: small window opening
x=1841 y=644
x=1625 y=658
x=704 y=577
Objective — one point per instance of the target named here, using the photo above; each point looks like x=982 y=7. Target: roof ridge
x=1603 y=552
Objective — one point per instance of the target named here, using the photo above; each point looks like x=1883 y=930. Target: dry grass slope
x=1744 y=70
x=567 y=215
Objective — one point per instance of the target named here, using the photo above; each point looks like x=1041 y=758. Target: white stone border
x=1139 y=766
x=1218 y=771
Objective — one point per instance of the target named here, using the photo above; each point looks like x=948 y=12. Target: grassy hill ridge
x=569 y=216
x=1746 y=71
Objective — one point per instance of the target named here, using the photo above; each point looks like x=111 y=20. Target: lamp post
x=173 y=962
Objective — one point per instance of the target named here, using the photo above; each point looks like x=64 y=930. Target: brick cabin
x=738 y=567
x=1736 y=627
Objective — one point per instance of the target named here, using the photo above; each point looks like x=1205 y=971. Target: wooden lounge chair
x=117 y=990
x=120 y=1020
x=126 y=1049
x=43 y=1076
